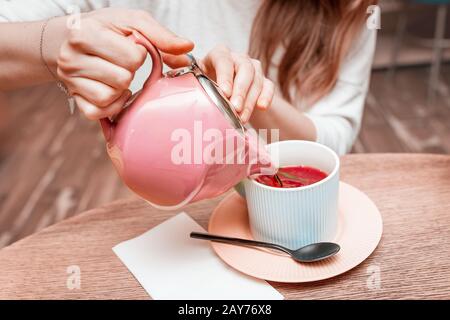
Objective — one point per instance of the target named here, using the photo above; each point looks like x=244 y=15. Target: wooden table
x=412 y=192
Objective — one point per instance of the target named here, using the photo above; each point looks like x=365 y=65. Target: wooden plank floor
x=397 y=117
x=54 y=165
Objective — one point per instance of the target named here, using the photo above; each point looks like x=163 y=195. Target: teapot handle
x=157 y=67
x=155 y=74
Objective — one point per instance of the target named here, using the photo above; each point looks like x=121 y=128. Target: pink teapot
x=178 y=140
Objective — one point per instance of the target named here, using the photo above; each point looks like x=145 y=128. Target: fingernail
x=185 y=40
x=245 y=115
x=226 y=88
x=263 y=104
x=237 y=103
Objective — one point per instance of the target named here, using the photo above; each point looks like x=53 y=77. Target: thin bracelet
x=59 y=83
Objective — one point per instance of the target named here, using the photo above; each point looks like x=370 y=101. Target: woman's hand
x=240 y=78
x=97 y=62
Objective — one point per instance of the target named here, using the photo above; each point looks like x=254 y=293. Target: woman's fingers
x=93 y=112
x=95 y=68
x=97 y=93
x=222 y=62
x=266 y=96
x=161 y=37
x=245 y=76
x=97 y=61
x=176 y=61
x=107 y=44
x=243 y=80
x=254 y=91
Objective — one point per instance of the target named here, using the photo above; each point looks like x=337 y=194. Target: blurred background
x=51 y=170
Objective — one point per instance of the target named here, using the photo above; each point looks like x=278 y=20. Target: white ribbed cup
x=295 y=217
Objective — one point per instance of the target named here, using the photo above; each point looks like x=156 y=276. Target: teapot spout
x=106 y=125
x=261 y=162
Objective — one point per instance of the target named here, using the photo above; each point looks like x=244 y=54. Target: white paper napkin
x=171 y=265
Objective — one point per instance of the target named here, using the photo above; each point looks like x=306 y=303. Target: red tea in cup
x=292 y=177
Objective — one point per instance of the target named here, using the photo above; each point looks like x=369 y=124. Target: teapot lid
x=212 y=89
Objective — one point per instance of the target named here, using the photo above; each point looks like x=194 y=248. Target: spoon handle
x=238 y=241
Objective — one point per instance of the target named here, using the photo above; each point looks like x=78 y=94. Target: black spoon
x=310 y=253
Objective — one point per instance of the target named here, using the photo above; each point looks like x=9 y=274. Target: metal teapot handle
x=155 y=74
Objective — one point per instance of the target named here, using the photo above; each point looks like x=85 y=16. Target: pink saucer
x=359 y=231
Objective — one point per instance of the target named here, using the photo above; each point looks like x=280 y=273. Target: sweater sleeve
x=337 y=116
x=25 y=10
